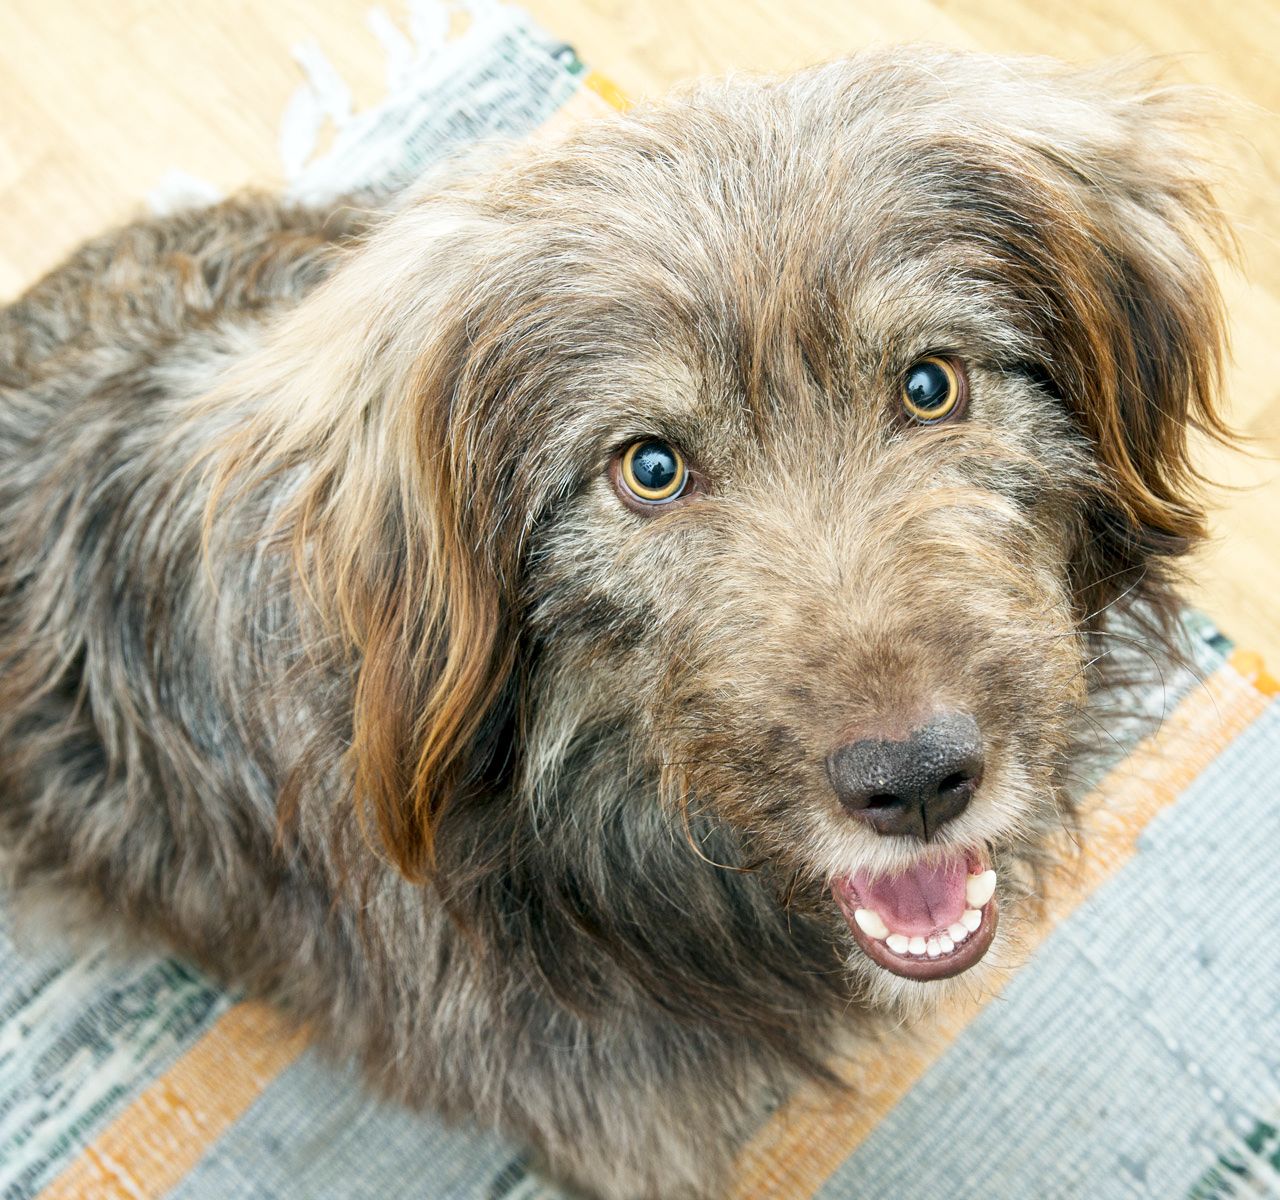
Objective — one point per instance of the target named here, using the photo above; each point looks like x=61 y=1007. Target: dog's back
x=120 y=772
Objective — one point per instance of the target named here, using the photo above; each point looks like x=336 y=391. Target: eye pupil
x=655 y=466
x=928 y=387
x=652 y=472
x=932 y=390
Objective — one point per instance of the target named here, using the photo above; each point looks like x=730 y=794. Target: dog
x=594 y=636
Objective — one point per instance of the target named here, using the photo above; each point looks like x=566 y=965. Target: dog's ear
x=1099 y=212
x=359 y=444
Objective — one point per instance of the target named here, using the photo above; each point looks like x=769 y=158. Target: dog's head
x=744 y=476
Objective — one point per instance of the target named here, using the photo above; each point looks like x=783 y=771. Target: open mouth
x=930 y=921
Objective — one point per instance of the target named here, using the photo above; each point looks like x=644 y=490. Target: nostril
x=883 y=800
x=953 y=783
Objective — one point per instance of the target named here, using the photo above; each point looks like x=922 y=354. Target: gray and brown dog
x=590 y=639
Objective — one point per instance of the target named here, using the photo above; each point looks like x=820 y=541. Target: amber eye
x=933 y=389
x=653 y=471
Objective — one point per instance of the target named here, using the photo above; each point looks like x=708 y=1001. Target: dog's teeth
x=958 y=933
x=946 y=943
x=980 y=888
x=871 y=924
x=917 y=946
x=933 y=947
x=971 y=918
x=897 y=943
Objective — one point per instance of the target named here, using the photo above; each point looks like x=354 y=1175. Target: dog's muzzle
x=938 y=917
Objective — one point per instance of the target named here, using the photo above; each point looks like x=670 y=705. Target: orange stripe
x=802 y=1144
x=607 y=90
x=1249 y=664
x=154 y=1142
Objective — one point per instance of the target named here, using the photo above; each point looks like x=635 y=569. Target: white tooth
x=971 y=918
x=978 y=889
x=958 y=933
x=946 y=943
x=897 y=943
x=933 y=948
x=871 y=924
x=916 y=946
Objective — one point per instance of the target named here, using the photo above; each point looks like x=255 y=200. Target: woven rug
x=1135 y=1054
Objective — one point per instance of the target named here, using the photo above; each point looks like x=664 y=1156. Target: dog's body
x=315 y=552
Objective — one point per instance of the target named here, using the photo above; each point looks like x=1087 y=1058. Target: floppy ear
x=1102 y=211
x=358 y=447
x=1141 y=365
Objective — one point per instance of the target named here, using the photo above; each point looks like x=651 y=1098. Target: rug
x=1135 y=1054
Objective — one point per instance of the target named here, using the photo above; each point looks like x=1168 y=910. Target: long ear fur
x=1091 y=204
x=1140 y=357
x=355 y=455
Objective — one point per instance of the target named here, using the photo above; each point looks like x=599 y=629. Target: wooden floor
x=98 y=101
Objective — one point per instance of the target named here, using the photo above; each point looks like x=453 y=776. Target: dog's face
x=819 y=558
x=850 y=630
x=790 y=439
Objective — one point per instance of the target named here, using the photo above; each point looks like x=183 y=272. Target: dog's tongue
x=922 y=898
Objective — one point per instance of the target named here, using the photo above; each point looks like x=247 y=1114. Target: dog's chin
x=930 y=921
x=902 y=1000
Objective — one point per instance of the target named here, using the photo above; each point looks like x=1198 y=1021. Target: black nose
x=914 y=786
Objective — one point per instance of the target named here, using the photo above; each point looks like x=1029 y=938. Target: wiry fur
x=329 y=656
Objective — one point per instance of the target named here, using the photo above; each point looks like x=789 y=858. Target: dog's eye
x=652 y=472
x=933 y=390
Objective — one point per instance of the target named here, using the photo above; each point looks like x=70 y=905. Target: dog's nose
x=912 y=786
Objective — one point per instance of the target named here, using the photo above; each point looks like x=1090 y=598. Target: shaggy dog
x=590 y=637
